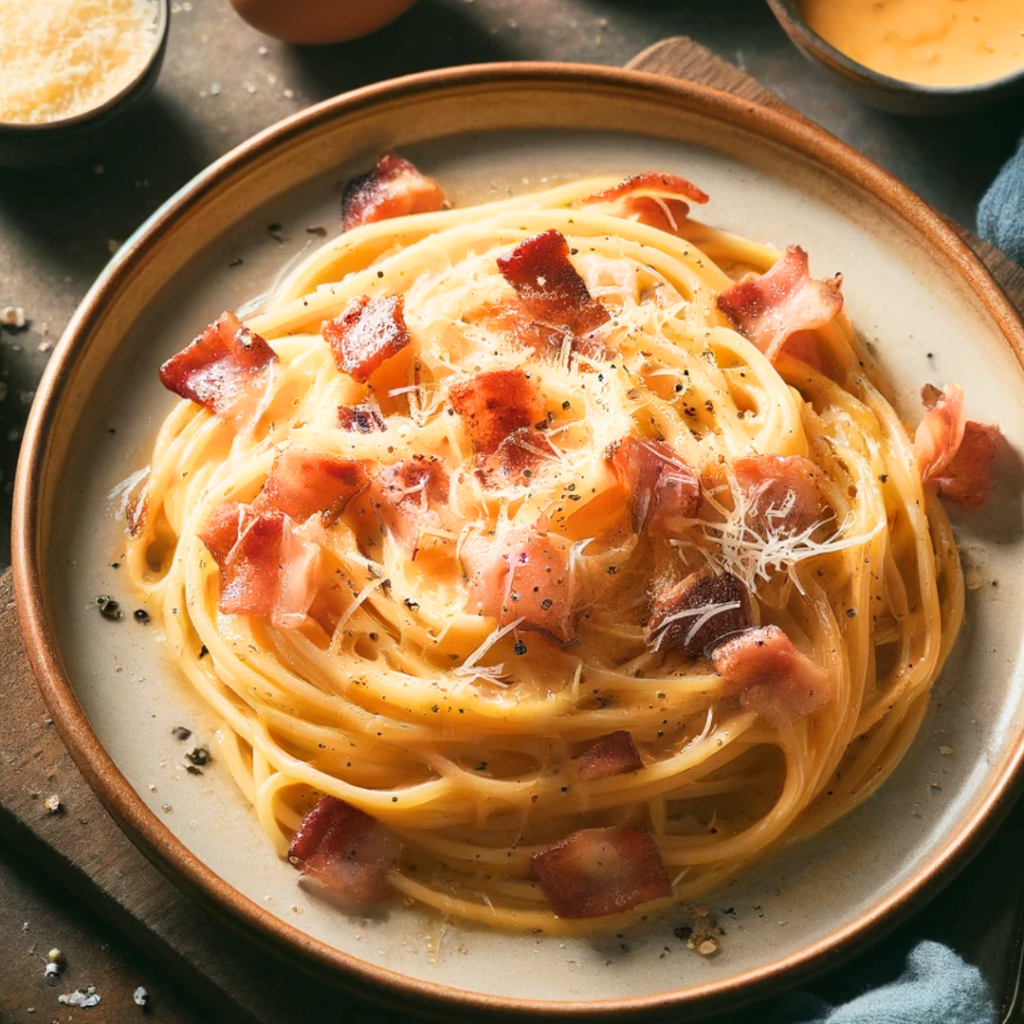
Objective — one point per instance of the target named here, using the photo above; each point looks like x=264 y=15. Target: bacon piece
x=786 y=299
x=218 y=367
x=529 y=580
x=406 y=497
x=303 y=483
x=649 y=183
x=613 y=754
x=600 y=871
x=770 y=675
x=345 y=850
x=698 y=612
x=360 y=419
x=782 y=492
x=393 y=188
x=496 y=404
x=266 y=569
x=516 y=458
x=549 y=287
x=249 y=573
x=967 y=478
x=651 y=198
x=220 y=534
x=940 y=433
x=663 y=489
x=366 y=334
x=538 y=586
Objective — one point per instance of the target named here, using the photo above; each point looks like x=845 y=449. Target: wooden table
x=56 y=230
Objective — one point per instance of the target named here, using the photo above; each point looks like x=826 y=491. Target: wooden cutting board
x=85 y=849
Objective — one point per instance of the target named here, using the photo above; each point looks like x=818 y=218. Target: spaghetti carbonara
x=549 y=560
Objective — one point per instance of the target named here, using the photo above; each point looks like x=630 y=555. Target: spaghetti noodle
x=569 y=546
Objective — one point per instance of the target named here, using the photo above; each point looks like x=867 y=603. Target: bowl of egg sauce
x=70 y=70
x=914 y=56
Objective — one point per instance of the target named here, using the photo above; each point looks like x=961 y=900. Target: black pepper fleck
x=109 y=608
x=199 y=755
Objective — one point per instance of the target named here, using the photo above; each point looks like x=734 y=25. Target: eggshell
x=319 y=21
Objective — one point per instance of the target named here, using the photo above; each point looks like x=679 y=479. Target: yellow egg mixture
x=929 y=42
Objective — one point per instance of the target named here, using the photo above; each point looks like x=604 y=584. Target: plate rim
x=167 y=852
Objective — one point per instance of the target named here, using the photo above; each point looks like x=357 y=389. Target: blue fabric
x=936 y=987
x=1001 y=210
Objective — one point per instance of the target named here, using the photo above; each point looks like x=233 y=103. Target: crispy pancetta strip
x=528 y=581
x=612 y=754
x=941 y=431
x=219 y=367
x=652 y=198
x=662 y=488
x=770 y=676
x=407 y=497
x=698 y=613
x=769 y=308
x=366 y=334
x=393 y=188
x=360 y=419
x=549 y=287
x=345 y=851
x=266 y=568
x=782 y=492
x=495 y=405
x=304 y=483
x=599 y=871
x=967 y=478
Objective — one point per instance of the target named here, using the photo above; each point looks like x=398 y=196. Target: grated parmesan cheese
x=65 y=57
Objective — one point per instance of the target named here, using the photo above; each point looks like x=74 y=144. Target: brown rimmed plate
x=913 y=289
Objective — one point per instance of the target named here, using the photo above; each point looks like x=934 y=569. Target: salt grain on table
x=83 y=997
x=13 y=316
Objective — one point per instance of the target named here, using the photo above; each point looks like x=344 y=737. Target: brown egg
x=319 y=21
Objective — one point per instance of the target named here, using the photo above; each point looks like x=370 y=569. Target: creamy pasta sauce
x=930 y=42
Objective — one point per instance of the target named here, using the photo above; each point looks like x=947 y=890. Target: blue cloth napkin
x=1001 y=210
x=936 y=987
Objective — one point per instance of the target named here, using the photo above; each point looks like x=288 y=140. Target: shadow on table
x=73 y=211
x=431 y=35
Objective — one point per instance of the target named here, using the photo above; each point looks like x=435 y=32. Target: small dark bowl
x=53 y=142
x=881 y=91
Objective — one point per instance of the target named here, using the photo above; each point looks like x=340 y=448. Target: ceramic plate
x=913 y=289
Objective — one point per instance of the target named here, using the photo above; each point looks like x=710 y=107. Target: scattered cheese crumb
x=215 y=89
x=140 y=997
x=708 y=947
x=288 y=94
x=52 y=803
x=84 y=997
x=55 y=956
x=262 y=51
x=51 y=972
x=945 y=751
x=13 y=316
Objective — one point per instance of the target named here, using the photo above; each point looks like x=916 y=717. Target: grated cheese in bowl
x=61 y=58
